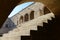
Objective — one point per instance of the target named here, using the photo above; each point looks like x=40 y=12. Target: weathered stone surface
x=6 y=7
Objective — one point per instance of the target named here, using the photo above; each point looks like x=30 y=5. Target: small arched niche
x=6 y=26
x=32 y=15
x=46 y=10
x=21 y=19
x=26 y=17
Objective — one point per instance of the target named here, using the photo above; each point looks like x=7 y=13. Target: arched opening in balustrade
x=21 y=19
x=26 y=17
x=32 y=15
x=7 y=26
x=46 y=10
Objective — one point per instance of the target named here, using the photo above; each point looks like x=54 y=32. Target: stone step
x=32 y=25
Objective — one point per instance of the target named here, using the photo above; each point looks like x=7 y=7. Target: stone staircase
x=42 y=33
x=25 y=28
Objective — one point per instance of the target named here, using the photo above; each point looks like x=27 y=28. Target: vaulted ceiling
x=6 y=6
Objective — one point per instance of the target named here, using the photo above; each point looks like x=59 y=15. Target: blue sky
x=19 y=8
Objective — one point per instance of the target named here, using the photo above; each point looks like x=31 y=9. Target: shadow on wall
x=7 y=26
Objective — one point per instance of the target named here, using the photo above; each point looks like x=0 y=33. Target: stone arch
x=21 y=19
x=6 y=26
x=32 y=15
x=46 y=10
x=26 y=17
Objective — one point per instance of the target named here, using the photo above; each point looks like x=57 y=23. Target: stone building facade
x=31 y=12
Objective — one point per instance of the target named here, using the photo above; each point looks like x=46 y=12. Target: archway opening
x=46 y=10
x=26 y=17
x=21 y=19
x=32 y=15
